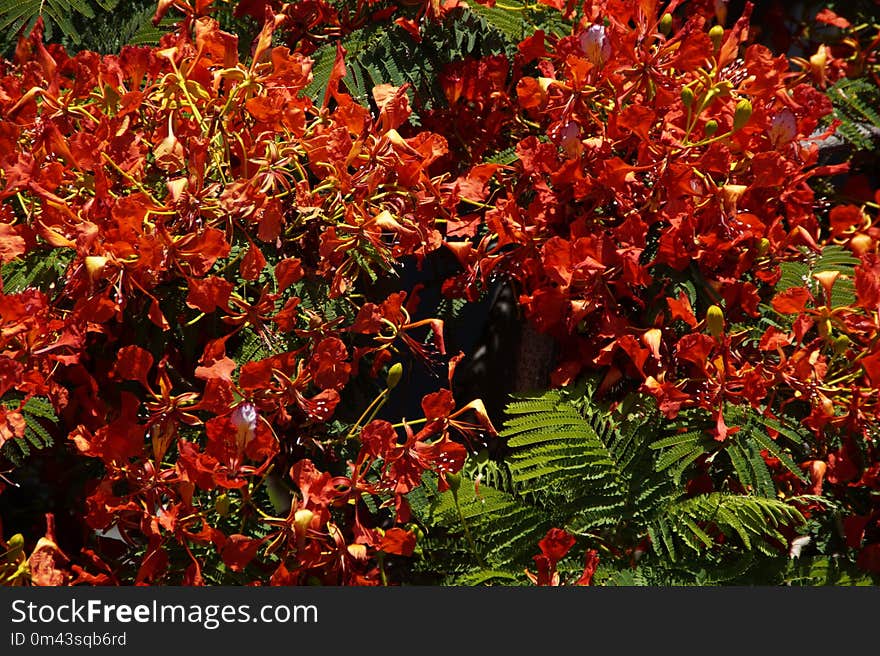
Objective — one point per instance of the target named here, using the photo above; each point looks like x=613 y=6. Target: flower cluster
x=211 y=338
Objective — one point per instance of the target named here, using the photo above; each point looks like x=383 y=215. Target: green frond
x=681 y=449
x=507 y=17
x=371 y=59
x=597 y=471
x=136 y=30
x=18 y=14
x=253 y=347
x=836 y=258
x=506 y=156
x=662 y=539
x=855 y=102
x=751 y=438
x=750 y=468
x=556 y=449
x=739 y=569
x=491 y=473
x=490 y=577
x=754 y=520
x=60 y=12
x=322 y=67
x=691 y=534
x=313 y=296
x=797 y=440
x=828 y=570
x=505 y=527
x=379 y=54
x=570 y=464
x=40 y=269
x=832 y=258
x=451 y=309
x=38 y=406
x=647 y=499
x=36 y=411
x=679 y=438
x=100 y=25
x=545 y=403
x=683 y=452
x=623 y=578
x=544 y=431
x=14 y=14
x=777 y=452
x=793 y=274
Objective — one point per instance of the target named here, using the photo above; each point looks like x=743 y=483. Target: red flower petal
x=791 y=301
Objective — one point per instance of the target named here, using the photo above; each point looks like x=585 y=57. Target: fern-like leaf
x=16 y=15
x=36 y=412
x=507 y=18
x=855 y=102
x=832 y=258
x=557 y=452
x=754 y=520
x=381 y=54
x=41 y=269
x=577 y=464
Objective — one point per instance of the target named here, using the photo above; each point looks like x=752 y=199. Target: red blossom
x=556 y=544
x=226 y=250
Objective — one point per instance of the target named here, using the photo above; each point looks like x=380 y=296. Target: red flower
x=554 y=547
x=556 y=544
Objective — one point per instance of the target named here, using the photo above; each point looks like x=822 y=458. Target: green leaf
x=36 y=411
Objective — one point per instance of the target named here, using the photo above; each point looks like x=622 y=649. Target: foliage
x=854 y=103
x=597 y=473
x=101 y=25
x=208 y=313
x=16 y=16
x=35 y=435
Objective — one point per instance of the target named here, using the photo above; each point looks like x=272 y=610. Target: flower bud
x=395 y=138
x=827 y=404
x=730 y=195
x=841 y=344
x=222 y=505
x=818 y=63
x=357 y=551
x=783 y=128
x=95 y=265
x=652 y=338
x=716 y=34
x=763 y=246
x=687 y=96
x=665 y=25
x=386 y=221
x=544 y=84
x=570 y=139
x=244 y=418
x=454 y=481
x=861 y=243
x=15 y=543
x=715 y=320
x=595 y=45
x=394 y=375
x=817 y=475
x=302 y=518
x=742 y=114
x=416 y=530
x=711 y=127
